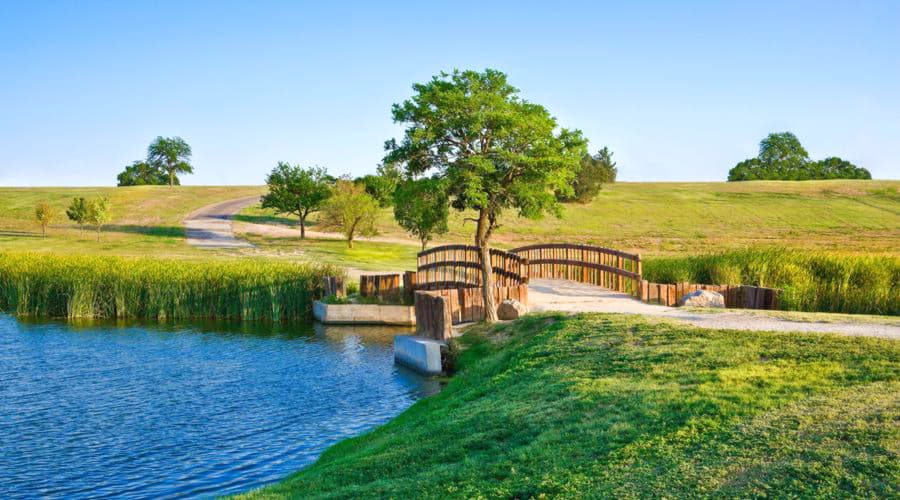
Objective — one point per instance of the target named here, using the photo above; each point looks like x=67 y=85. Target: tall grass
x=74 y=286
x=812 y=281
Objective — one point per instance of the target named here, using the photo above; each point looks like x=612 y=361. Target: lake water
x=195 y=410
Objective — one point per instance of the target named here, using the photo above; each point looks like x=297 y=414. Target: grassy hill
x=607 y=406
x=671 y=218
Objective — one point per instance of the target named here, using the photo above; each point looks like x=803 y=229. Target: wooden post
x=409 y=286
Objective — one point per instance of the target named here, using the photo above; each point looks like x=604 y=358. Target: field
x=679 y=218
x=146 y=219
x=614 y=407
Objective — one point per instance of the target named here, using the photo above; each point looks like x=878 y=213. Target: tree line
x=782 y=157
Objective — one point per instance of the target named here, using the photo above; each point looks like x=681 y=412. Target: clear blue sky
x=678 y=90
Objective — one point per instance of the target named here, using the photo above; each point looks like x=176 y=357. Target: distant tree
x=45 y=214
x=782 y=157
x=141 y=173
x=421 y=208
x=170 y=155
x=381 y=186
x=351 y=211
x=99 y=212
x=78 y=212
x=296 y=190
x=595 y=170
x=837 y=168
x=493 y=150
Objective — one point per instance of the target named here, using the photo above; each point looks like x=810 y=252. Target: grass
x=75 y=286
x=608 y=406
x=675 y=218
x=808 y=317
x=365 y=255
x=812 y=281
x=146 y=219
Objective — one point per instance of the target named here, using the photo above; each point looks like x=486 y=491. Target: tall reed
x=74 y=286
x=812 y=281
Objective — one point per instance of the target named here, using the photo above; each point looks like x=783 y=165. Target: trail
x=211 y=226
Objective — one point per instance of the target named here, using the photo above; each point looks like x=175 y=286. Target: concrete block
x=419 y=353
x=364 y=314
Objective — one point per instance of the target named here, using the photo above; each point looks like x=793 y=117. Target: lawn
x=678 y=218
x=365 y=255
x=147 y=220
x=611 y=406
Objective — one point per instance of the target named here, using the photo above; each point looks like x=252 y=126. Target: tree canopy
x=595 y=171
x=170 y=155
x=141 y=173
x=782 y=157
x=99 y=212
x=351 y=211
x=493 y=151
x=421 y=208
x=44 y=214
x=297 y=190
x=78 y=211
x=381 y=186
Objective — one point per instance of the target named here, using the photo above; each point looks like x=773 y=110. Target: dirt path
x=211 y=226
x=568 y=296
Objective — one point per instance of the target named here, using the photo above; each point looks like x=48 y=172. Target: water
x=138 y=411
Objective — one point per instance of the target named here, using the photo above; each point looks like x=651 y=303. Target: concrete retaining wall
x=364 y=314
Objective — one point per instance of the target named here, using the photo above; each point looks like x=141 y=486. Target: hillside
x=609 y=406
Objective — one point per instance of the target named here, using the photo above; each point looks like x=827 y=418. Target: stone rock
x=703 y=298
x=511 y=309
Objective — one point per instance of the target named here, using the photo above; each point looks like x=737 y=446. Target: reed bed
x=75 y=286
x=812 y=281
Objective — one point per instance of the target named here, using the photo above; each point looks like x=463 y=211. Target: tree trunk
x=98 y=233
x=302 y=227
x=171 y=178
x=487 y=272
x=424 y=244
x=350 y=241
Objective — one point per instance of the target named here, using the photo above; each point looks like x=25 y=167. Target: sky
x=679 y=91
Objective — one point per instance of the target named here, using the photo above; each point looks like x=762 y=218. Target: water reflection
x=143 y=409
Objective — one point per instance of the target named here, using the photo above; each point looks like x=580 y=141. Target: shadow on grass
x=19 y=234
x=161 y=231
x=268 y=219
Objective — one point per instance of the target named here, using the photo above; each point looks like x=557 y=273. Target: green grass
x=146 y=219
x=608 y=406
x=365 y=255
x=75 y=286
x=812 y=281
x=675 y=218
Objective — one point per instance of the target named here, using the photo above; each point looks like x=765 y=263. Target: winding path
x=211 y=226
x=569 y=296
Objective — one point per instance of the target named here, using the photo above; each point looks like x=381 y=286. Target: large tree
x=493 y=150
x=171 y=155
x=421 y=207
x=297 y=190
x=782 y=157
x=141 y=173
x=351 y=211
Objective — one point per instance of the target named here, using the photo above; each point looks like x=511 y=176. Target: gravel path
x=568 y=296
x=211 y=226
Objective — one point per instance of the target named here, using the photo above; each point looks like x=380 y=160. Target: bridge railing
x=459 y=266
x=600 y=266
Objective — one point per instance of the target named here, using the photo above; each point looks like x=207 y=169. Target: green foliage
x=78 y=211
x=595 y=171
x=781 y=157
x=351 y=211
x=492 y=150
x=612 y=406
x=141 y=173
x=71 y=286
x=99 y=212
x=812 y=281
x=44 y=214
x=382 y=185
x=170 y=155
x=297 y=190
x=421 y=208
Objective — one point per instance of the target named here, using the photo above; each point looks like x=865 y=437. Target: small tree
x=381 y=186
x=594 y=172
x=99 y=212
x=78 y=212
x=170 y=155
x=141 y=173
x=351 y=211
x=421 y=207
x=45 y=214
x=296 y=190
x=494 y=150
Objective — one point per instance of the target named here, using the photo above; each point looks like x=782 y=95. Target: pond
x=189 y=410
